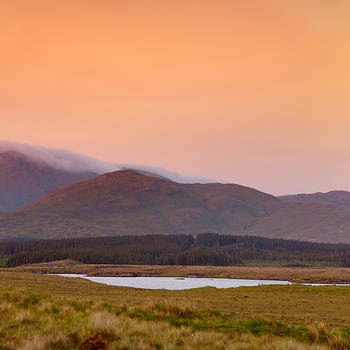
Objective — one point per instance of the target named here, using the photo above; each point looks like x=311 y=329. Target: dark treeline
x=205 y=249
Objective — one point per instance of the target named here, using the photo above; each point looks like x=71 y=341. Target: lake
x=176 y=283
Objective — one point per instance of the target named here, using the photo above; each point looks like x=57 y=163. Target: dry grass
x=52 y=312
x=294 y=304
x=317 y=333
x=338 y=342
x=167 y=307
x=39 y=322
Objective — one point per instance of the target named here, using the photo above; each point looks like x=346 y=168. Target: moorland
x=317 y=275
x=43 y=311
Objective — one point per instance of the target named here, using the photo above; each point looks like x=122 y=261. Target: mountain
x=28 y=172
x=84 y=204
x=126 y=202
x=337 y=199
x=24 y=179
x=314 y=222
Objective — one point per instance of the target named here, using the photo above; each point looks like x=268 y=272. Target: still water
x=176 y=283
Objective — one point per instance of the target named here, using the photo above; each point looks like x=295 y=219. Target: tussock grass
x=50 y=312
x=338 y=342
x=317 y=333
x=36 y=321
x=166 y=307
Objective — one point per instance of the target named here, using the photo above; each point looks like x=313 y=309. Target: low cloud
x=61 y=159
x=67 y=160
x=171 y=175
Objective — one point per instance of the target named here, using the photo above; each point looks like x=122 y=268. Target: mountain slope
x=24 y=179
x=314 y=222
x=28 y=172
x=126 y=202
x=338 y=199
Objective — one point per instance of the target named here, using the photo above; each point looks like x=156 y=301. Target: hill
x=314 y=222
x=126 y=202
x=27 y=172
x=24 y=179
x=338 y=199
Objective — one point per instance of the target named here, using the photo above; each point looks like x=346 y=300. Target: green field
x=52 y=312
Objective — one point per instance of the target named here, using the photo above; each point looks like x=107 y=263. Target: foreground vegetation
x=205 y=249
x=52 y=312
x=34 y=321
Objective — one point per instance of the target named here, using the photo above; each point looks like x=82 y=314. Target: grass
x=37 y=321
x=52 y=312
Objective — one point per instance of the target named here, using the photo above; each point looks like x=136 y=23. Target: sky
x=253 y=92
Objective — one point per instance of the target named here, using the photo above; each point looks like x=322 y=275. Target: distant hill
x=24 y=179
x=126 y=202
x=338 y=199
x=314 y=222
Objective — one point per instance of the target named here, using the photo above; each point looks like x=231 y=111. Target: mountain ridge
x=126 y=202
x=50 y=197
x=336 y=198
x=28 y=172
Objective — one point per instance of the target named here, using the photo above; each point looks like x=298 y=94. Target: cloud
x=171 y=175
x=64 y=159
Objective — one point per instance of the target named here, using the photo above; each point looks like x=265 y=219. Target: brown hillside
x=126 y=202
x=338 y=199
x=23 y=180
x=315 y=222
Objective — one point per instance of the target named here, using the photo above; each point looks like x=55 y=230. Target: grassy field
x=40 y=311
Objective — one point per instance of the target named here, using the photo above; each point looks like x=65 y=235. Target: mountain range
x=126 y=202
x=58 y=202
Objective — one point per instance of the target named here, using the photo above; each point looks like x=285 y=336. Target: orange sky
x=253 y=92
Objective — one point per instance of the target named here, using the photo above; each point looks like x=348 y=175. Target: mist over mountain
x=22 y=183
x=59 y=193
x=59 y=159
x=24 y=179
x=66 y=160
x=28 y=172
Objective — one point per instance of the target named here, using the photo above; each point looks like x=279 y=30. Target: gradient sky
x=254 y=92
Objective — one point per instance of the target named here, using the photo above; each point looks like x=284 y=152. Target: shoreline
x=292 y=274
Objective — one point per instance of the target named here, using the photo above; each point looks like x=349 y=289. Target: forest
x=203 y=249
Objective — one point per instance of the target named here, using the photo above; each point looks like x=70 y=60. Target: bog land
x=293 y=274
x=43 y=311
